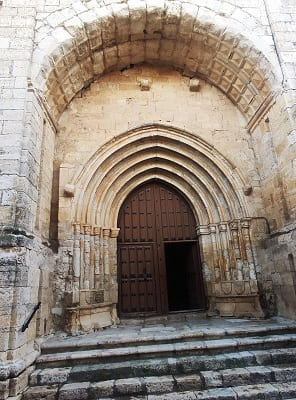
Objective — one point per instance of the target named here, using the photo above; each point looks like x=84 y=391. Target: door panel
x=137 y=279
x=153 y=214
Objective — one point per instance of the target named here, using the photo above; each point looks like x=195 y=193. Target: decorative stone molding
x=69 y=190
x=114 y=232
x=93 y=280
x=232 y=289
x=97 y=230
x=215 y=194
x=194 y=85
x=145 y=84
x=106 y=232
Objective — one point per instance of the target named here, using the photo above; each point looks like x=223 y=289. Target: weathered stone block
x=74 y=391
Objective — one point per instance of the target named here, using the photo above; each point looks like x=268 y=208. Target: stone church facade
x=105 y=103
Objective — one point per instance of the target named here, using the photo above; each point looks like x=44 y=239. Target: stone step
x=161 y=388
x=199 y=380
x=160 y=334
x=200 y=347
x=251 y=361
x=274 y=391
x=168 y=366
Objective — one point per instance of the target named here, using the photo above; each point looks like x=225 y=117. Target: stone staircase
x=189 y=359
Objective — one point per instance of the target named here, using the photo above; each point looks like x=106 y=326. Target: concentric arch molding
x=212 y=185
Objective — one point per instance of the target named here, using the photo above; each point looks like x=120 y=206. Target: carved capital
x=202 y=230
x=87 y=229
x=114 y=232
x=76 y=227
x=213 y=228
x=233 y=225
x=223 y=227
x=246 y=222
x=97 y=230
x=106 y=232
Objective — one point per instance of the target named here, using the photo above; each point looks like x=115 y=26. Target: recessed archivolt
x=211 y=184
x=162 y=170
x=106 y=38
x=198 y=205
x=195 y=175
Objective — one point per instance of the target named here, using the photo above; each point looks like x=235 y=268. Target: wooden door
x=152 y=215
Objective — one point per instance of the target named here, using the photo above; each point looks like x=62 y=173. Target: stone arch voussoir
x=211 y=184
x=91 y=40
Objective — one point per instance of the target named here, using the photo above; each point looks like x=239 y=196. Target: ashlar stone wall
x=51 y=52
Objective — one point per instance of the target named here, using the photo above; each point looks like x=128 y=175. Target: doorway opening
x=159 y=265
x=184 y=283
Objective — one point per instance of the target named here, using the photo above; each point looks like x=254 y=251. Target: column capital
x=76 y=227
x=106 y=232
x=202 y=230
x=246 y=222
x=223 y=227
x=87 y=229
x=114 y=232
x=233 y=225
x=97 y=230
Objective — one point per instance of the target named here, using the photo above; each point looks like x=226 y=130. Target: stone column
x=98 y=270
x=114 y=232
x=76 y=264
x=245 y=224
x=86 y=257
x=217 y=272
x=237 y=254
x=106 y=265
x=225 y=251
x=106 y=235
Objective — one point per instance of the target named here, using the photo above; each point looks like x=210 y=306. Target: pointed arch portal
x=212 y=193
x=159 y=265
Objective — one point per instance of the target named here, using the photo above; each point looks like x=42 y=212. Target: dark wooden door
x=152 y=215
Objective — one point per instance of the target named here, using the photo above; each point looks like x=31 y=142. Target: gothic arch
x=213 y=186
x=210 y=183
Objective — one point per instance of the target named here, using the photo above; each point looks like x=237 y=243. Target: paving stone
x=216 y=394
x=212 y=379
x=281 y=356
x=286 y=390
x=74 y=391
x=259 y=374
x=266 y=391
x=173 y=396
x=100 y=389
x=188 y=382
x=38 y=393
x=129 y=386
x=159 y=384
x=284 y=373
x=50 y=376
x=263 y=357
x=235 y=376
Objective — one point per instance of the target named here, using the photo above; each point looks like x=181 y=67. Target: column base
x=89 y=318
x=236 y=306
